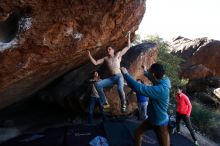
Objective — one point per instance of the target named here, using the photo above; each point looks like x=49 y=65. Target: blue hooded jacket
x=158 y=94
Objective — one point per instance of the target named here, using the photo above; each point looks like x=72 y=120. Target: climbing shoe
x=196 y=143
x=123 y=109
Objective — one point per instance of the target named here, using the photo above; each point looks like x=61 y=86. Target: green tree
x=137 y=39
x=168 y=60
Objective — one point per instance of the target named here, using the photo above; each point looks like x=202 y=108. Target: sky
x=187 y=18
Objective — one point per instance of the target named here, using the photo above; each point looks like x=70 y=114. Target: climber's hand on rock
x=89 y=54
x=128 y=34
x=124 y=70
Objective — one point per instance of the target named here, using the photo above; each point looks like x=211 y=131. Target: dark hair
x=140 y=81
x=92 y=73
x=179 y=87
x=158 y=70
x=112 y=46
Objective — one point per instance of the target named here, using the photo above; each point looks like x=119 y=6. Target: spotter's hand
x=124 y=70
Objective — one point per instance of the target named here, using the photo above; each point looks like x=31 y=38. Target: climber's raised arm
x=100 y=61
x=123 y=51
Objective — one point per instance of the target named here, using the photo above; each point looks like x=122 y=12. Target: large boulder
x=203 y=84
x=206 y=90
x=67 y=90
x=40 y=40
x=200 y=66
x=207 y=98
x=217 y=93
x=201 y=57
x=184 y=47
x=197 y=71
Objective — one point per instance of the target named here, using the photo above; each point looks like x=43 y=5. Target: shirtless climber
x=113 y=63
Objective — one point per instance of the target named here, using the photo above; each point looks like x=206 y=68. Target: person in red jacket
x=183 y=112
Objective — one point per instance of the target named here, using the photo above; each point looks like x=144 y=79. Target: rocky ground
x=38 y=116
x=202 y=140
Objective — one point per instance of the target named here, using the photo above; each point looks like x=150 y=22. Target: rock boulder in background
x=201 y=57
x=200 y=65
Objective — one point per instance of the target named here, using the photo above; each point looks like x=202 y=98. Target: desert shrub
x=201 y=116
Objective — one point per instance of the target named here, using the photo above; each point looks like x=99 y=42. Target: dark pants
x=186 y=120
x=161 y=132
x=93 y=101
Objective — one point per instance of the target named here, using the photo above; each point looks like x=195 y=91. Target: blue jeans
x=142 y=108
x=109 y=82
x=93 y=101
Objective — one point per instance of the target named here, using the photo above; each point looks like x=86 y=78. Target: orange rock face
x=201 y=57
x=53 y=37
x=197 y=71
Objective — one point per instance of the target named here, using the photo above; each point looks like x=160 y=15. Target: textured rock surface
x=185 y=48
x=201 y=57
x=53 y=37
x=197 y=71
x=206 y=98
x=67 y=90
x=203 y=84
x=203 y=89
